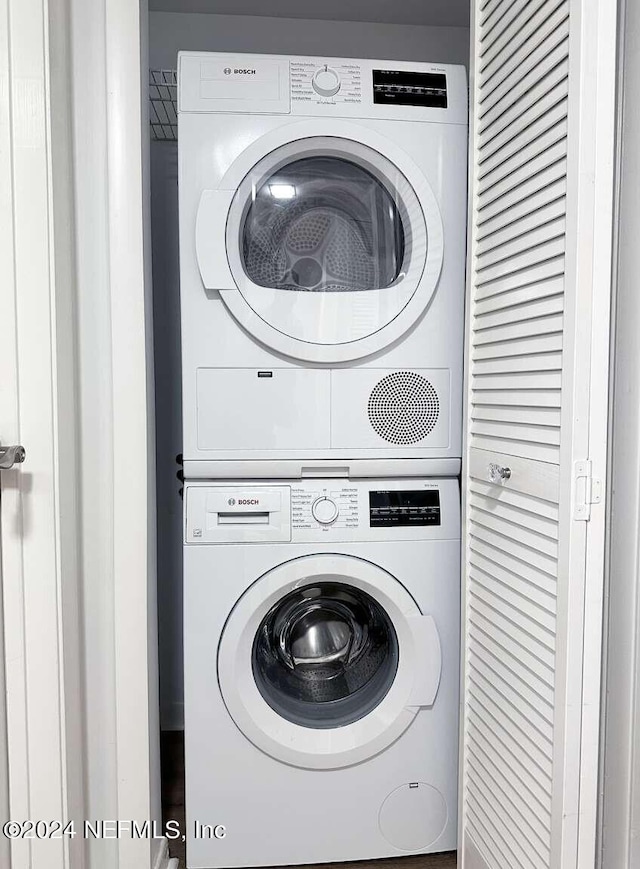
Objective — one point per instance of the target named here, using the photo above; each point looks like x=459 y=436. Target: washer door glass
x=327 y=243
x=325 y=655
x=323 y=224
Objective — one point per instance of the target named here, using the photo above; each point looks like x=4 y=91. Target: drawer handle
x=497 y=474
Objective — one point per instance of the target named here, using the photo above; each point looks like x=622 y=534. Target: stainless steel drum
x=325 y=655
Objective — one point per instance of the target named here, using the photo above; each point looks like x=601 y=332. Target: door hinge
x=587 y=490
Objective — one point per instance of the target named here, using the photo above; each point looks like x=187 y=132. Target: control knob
x=326 y=81
x=324 y=510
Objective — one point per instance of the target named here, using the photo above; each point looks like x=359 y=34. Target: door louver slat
x=489 y=697
x=539 y=362
x=509 y=799
x=550 y=52
x=552 y=268
x=510 y=580
x=514 y=673
x=533 y=828
x=518 y=196
x=535 y=242
x=512 y=19
x=534 y=55
x=540 y=326
x=522 y=398
x=520 y=848
x=487 y=8
x=501 y=17
x=514 y=298
x=515 y=229
x=534 y=164
x=533 y=664
x=525 y=27
x=528 y=346
x=503 y=759
x=510 y=107
x=541 y=100
x=506 y=164
x=491 y=13
x=511 y=220
x=552 y=123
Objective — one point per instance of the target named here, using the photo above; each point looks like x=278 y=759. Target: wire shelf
x=163 y=92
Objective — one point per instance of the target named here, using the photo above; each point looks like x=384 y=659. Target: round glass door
x=325 y=655
x=323 y=225
x=328 y=246
x=325 y=660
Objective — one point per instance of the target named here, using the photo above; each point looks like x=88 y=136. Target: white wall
x=169 y=33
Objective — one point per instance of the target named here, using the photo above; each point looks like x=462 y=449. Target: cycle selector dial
x=324 y=510
x=326 y=81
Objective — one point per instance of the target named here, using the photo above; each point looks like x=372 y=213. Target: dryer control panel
x=340 y=87
x=325 y=510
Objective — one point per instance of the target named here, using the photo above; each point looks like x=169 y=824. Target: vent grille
x=403 y=408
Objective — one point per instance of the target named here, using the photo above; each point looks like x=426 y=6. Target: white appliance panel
x=268 y=409
x=224 y=83
x=375 y=808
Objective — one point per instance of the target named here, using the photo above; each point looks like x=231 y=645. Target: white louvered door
x=537 y=375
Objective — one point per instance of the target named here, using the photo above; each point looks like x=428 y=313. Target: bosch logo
x=244 y=72
x=247 y=501
x=231 y=502
x=227 y=70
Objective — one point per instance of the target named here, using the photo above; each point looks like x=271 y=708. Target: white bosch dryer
x=322 y=263
x=321 y=631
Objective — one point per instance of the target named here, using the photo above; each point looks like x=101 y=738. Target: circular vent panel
x=403 y=407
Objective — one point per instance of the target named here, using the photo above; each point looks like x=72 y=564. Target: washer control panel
x=321 y=511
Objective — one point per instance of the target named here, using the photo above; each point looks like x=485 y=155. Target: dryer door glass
x=323 y=224
x=325 y=655
x=327 y=243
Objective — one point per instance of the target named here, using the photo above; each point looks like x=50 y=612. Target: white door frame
x=620 y=760
x=117 y=449
x=37 y=407
x=77 y=520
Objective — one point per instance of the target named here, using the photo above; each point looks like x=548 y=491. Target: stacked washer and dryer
x=322 y=249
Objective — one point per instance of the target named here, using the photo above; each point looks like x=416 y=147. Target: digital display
x=404 y=508
x=410 y=88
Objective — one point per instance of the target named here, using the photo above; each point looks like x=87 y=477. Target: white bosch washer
x=322 y=263
x=321 y=628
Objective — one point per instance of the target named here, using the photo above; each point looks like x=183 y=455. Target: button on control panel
x=324 y=508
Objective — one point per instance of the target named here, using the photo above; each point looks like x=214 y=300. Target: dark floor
x=173 y=810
